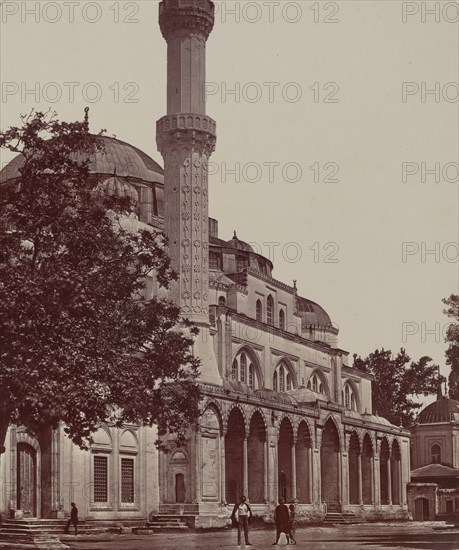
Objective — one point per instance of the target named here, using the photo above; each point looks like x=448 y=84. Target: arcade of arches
x=318 y=462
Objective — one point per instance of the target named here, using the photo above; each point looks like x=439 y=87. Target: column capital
x=186 y=17
x=186 y=131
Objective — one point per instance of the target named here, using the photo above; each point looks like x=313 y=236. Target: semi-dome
x=115 y=157
x=117 y=187
x=442 y=410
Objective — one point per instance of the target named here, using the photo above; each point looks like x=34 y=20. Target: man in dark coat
x=73 y=518
x=282 y=518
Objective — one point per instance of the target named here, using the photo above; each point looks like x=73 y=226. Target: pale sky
x=309 y=93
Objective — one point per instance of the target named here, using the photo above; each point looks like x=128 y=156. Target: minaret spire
x=186 y=138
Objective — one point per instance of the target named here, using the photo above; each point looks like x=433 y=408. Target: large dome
x=116 y=157
x=442 y=410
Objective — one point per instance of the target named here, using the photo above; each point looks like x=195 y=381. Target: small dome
x=275 y=397
x=117 y=187
x=239 y=245
x=312 y=314
x=442 y=410
x=305 y=395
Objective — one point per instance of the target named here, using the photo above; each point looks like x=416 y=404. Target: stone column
x=55 y=474
x=310 y=474
x=197 y=482
x=372 y=481
x=223 y=469
x=265 y=471
x=359 y=468
x=245 y=468
x=293 y=469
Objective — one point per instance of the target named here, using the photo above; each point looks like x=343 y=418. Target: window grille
x=127 y=480
x=100 y=478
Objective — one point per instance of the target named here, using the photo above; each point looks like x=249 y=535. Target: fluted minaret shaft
x=186 y=138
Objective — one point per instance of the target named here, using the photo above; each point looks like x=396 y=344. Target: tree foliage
x=79 y=343
x=396 y=380
x=452 y=338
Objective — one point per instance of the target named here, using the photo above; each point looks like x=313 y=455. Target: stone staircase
x=164 y=522
x=29 y=528
x=338 y=518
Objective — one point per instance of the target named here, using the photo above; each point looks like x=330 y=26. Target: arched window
x=315 y=384
x=270 y=310
x=281 y=319
x=243 y=369
x=435 y=454
x=282 y=379
x=349 y=398
x=222 y=301
x=234 y=370
x=259 y=311
x=251 y=377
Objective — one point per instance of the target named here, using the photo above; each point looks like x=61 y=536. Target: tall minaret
x=186 y=139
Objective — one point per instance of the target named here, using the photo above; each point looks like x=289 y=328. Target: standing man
x=241 y=514
x=73 y=518
x=282 y=517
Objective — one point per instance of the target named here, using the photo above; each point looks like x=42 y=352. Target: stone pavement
x=400 y=536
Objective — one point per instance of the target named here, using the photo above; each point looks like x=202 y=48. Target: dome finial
x=86 y=119
x=234 y=236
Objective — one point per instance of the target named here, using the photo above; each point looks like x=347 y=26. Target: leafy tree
x=80 y=343
x=452 y=338
x=396 y=380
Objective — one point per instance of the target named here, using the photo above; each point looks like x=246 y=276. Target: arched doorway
x=180 y=490
x=285 y=446
x=367 y=470
x=354 y=477
x=421 y=509
x=329 y=460
x=303 y=463
x=27 y=479
x=395 y=472
x=234 y=456
x=256 y=459
x=384 y=465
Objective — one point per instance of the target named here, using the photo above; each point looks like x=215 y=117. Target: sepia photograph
x=229 y=274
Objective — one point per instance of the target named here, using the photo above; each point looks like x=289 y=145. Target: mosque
x=283 y=412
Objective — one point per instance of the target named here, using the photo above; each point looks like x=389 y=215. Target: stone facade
x=283 y=413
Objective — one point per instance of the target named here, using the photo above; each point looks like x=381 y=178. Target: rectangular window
x=100 y=479
x=127 y=480
x=214 y=261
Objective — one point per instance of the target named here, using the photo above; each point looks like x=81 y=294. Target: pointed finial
x=114 y=171
x=446 y=389
x=294 y=284
x=234 y=236
x=86 y=119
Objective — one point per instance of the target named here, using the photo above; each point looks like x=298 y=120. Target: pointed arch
x=252 y=359
x=367 y=469
x=234 y=438
x=289 y=369
x=354 y=395
x=353 y=462
x=256 y=447
x=270 y=310
x=303 y=460
x=322 y=379
x=329 y=461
